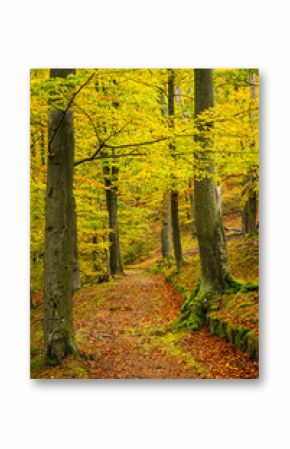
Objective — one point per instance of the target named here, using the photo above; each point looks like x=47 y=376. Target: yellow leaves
x=125 y=106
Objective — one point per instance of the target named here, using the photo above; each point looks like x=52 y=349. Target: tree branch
x=115 y=133
x=117 y=156
x=67 y=108
x=90 y=158
x=136 y=144
x=90 y=120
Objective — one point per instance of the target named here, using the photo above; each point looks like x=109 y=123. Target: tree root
x=194 y=310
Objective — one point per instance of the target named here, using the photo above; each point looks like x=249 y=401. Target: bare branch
x=67 y=108
x=117 y=156
x=90 y=120
x=136 y=144
x=153 y=86
x=115 y=133
x=90 y=158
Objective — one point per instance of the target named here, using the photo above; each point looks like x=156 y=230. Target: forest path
x=114 y=324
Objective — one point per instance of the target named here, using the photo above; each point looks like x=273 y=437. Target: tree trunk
x=166 y=207
x=111 y=172
x=58 y=259
x=209 y=225
x=175 y=229
x=249 y=214
x=111 y=176
x=166 y=225
x=174 y=193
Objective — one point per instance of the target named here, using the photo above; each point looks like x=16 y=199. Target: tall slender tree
x=166 y=226
x=209 y=225
x=174 y=192
x=59 y=233
x=111 y=172
x=111 y=175
x=166 y=206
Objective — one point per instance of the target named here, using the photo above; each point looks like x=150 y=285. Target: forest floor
x=115 y=326
x=115 y=322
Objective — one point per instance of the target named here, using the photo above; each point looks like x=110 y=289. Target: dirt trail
x=115 y=330
x=118 y=330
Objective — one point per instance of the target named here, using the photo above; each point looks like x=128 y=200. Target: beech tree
x=166 y=226
x=166 y=241
x=208 y=219
x=174 y=192
x=59 y=233
x=111 y=172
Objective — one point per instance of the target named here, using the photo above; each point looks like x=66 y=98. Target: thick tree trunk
x=249 y=214
x=111 y=176
x=166 y=227
x=58 y=325
x=209 y=225
x=59 y=226
x=174 y=193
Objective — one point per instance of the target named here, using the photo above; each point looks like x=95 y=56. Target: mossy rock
x=193 y=312
x=244 y=339
x=240 y=339
x=201 y=308
x=217 y=328
x=222 y=330
x=230 y=333
x=253 y=345
x=213 y=324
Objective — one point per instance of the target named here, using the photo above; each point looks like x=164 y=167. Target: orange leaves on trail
x=113 y=328
x=220 y=358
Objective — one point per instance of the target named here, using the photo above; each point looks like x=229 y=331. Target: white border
x=123 y=414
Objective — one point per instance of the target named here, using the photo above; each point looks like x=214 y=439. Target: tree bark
x=111 y=172
x=166 y=227
x=59 y=226
x=174 y=193
x=209 y=225
x=249 y=214
x=111 y=176
x=166 y=208
x=175 y=229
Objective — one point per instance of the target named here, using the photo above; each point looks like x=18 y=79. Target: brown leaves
x=113 y=328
